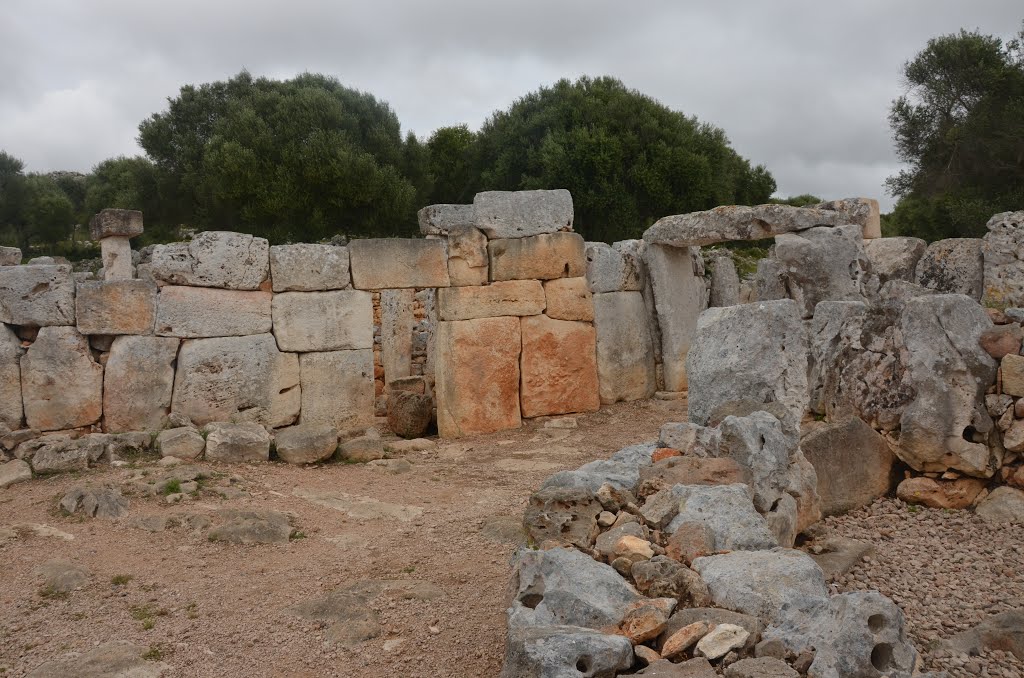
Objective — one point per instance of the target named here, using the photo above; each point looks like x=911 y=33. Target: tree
x=451 y=164
x=627 y=159
x=33 y=208
x=960 y=129
x=294 y=159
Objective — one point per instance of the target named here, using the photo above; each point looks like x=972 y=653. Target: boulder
x=237 y=443
x=895 y=258
x=1011 y=368
x=727 y=512
x=116 y=307
x=945 y=494
x=116 y=255
x=507 y=298
x=733 y=222
x=613 y=269
x=10 y=378
x=538 y=257
x=556 y=651
x=10 y=256
x=853 y=464
x=337 y=388
x=725 y=283
x=62 y=385
x=95 y=502
x=409 y=414
x=559 y=367
x=1002 y=340
x=138 y=383
x=824 y=264
x=721 y=640
x=57 y=454
x=954 y=266
x=198 y=312
x=309 y=268
x=442 y=219
x=467 y=256
x=236 y=377
x=946 y=425
x=323 y=321
x=568 y=299
x=567 y=515
x=519 y=214
x=679 y=297
x=37 y=295
x=383 y=263
x=234 y=261
x=713 y=616
x=306 y=443
x=477 y=376
x=1003 y=631
x=397 y=319
x=625 y=350
x=184 y=443
x=361 y=450
x=1004 y=260
x=861 y=211
x=753 y=351
x=1003 y=505
x=115 y=222
x=14 y=471
x=645 y=619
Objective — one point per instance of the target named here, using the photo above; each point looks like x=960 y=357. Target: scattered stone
x=252 y=527
x=406 y=446
x=1003 y=505
x=729 y=514
x=557 y=650
x=646 y=619
x=1003 y=631
x=720 y=640
x=682 y=640
x=14 y=471
x=837 y=556
x=62 y=576
x=105 y=502
x=361 y=449
x=409 y=414
x=567 y=515
x=947 y=494
x=1002 y=340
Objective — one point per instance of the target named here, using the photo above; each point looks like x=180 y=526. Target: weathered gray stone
x=10 y=378
x=761 y=667
x=679 y=296
x=721 y=640
x=37 y=295
x=116 y=307
x=102 y=502
x=1004 y=260
x=467 y=256
x=713 y=616
x=506 y=298
x=946 y=425
x=519 y=214
x=138 y=383
x=1003 y=631
x=309 y=268
x=306 y=443
x=727 y=510
x=388 y=263
x=62 y=385
x=409 y=414
x=564 y=652
x=861 y=211
x=853 y=464
x=337 y=388
x=237 y=443
x=539 y=257
x=10 y=256
x=114 y=659
x=697 y=667
x=824 y=264
x=725 y=282
x=184 y=443
x=954 y=266
x=1003 y=505
x=115 y=222
x=14 y=471
x=733 y=222
x=770 y=280
x=198 y=312
x=895 y=258
x=55 y=454
x=396 y=325
x=233 y=261
x=754 y=351
x=622 y=475
x=625 y=350
x=116 y=255
x=362 y=449
x=611 y=269
x=323 y=321
x=567 y=515
x=252 y=527
x=443 y=219
x=245 y=378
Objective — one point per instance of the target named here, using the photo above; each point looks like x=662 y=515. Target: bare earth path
x=214 y=609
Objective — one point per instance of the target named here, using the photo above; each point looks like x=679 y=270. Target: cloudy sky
x=801 y=86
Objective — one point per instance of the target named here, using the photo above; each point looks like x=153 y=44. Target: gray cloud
x=803 y=87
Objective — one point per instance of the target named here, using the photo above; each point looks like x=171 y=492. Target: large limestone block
x=247 y=378
x=679 y=298
x=539 y=257
x=323 y=321
x=750 y=352
x=519 y=214
x=853 y=464
x=559 y=367
x=613 y=268
x=37 y=295
x=116 y=307
x=895 y=258
x=116 y=255
x=62 y=386
x=337 y=389
x=387 y=263
x=506 y=298
x=734 y=222
x=10 y=256
x=234 y=261
x=946 y=425
x=568 y=299
x=725 y=282
x=467 y=256
x=1003 y=250
x=237 y=443
x=477 y=376
x=396 y=323
x=115 y=223
x=309 y=268
x=197 y=312
x=625 y=352
x=445 y=218
x=864 y=212
x=138 y=383
x=824 y=264
x=10 y=378
x=954 y=266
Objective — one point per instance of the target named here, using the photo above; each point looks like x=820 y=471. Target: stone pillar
x=396 y=325
x=679 y=297
x=113 y=229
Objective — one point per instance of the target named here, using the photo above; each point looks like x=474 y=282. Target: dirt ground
x=213 y=609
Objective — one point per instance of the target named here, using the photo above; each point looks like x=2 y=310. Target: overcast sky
x=801 y=86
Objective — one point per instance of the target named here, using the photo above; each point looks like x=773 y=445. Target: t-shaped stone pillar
x=113 y=228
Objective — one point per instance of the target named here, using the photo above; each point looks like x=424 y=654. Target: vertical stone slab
x=116 y=252
x=679 y=298
x=625 y=352
x=477 y=376
x=725 y=282
x=138 y=383
x=62 y=386
x=337 y=388
x=10 y=378
x=396 y=323
x=559 y=367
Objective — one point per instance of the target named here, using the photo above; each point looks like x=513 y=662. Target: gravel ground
x=948 y=570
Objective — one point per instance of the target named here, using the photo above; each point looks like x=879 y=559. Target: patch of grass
x=409 y=570
x=172 y=486
x=191 y=611
x=120 y=579
x=147 y=614
x=50 y=593
x=297 y=534
x=913 y=508
x=156 y=652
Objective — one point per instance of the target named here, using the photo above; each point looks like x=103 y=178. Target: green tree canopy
x=451 y=164
x=960 y=129
x=295 y=159
x=627 y=159
x=33 y=208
